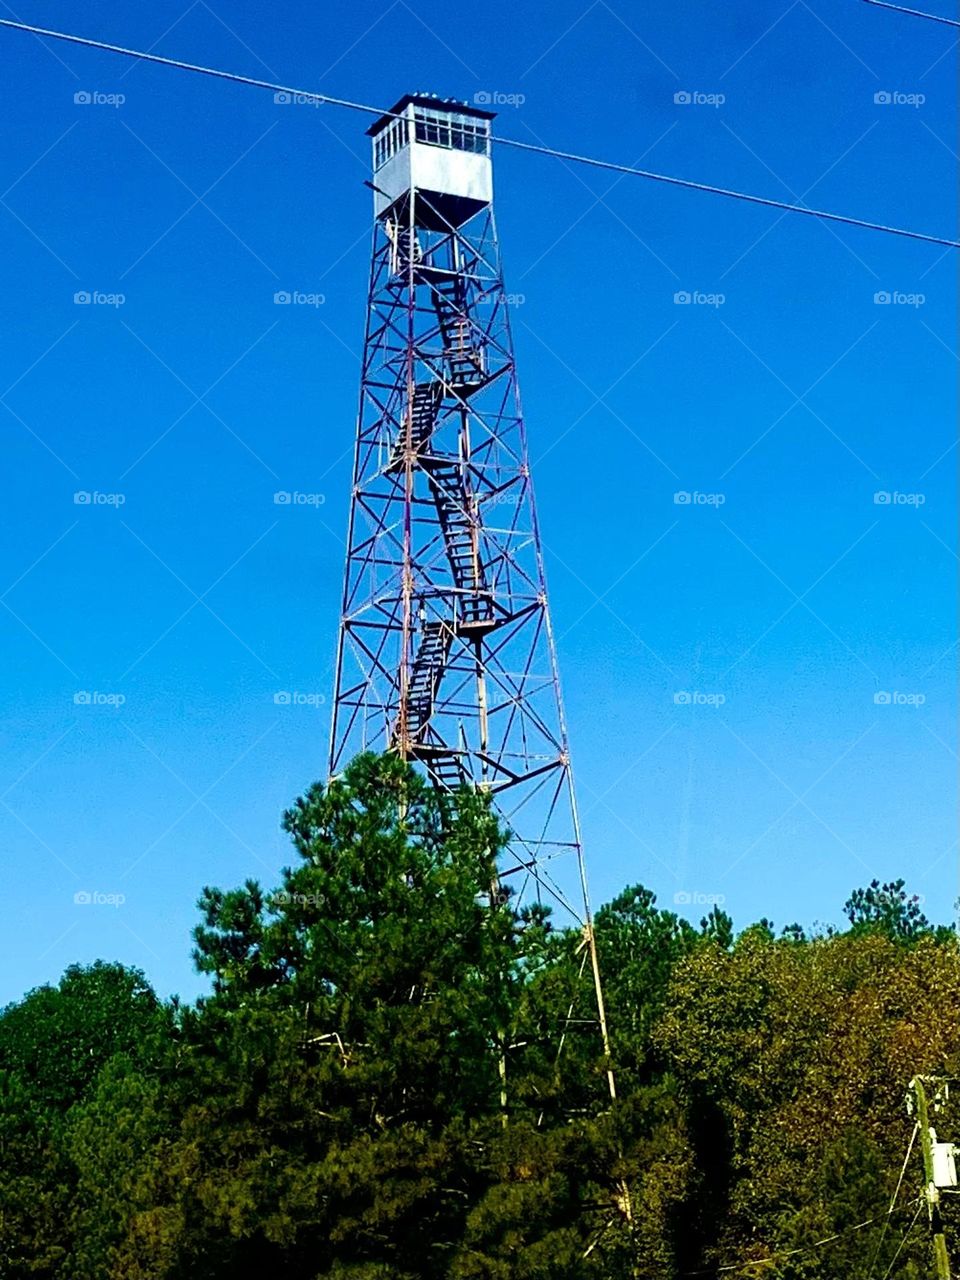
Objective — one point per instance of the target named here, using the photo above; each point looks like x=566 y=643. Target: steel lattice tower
x=445 y=653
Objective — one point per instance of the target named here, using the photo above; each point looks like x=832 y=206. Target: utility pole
x=931 y=1187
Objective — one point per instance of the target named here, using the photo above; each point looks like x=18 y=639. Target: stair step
x=428 y=667
x=424 y=406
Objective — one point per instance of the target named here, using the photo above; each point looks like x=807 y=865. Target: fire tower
x=446 y=653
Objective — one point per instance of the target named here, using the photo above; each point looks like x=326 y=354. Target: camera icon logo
x=82 y=98
x=282 y=298
x=881 y=698
x=282 y=98
x=683 y=98
x=881 y=298
x=883 y=98
x=483 y=97
x=82 y=298
x=82 y=898
x=281 y=699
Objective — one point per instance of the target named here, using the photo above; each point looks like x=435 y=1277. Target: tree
x=888 y=910
x=382 y=939
x=115 y=1141
x=54 y=1044
x=334 y=1109
x=35 y=1185
x=352 y=1043
x=639 y=946
x=792 y=1061
x=57 y=1038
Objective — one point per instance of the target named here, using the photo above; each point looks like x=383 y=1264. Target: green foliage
x=888 y=910
x=57 y=1038
x=332 y=1110
x=383 y=941
x=55 y=1045
x=793 y=1061
x=35 y=1180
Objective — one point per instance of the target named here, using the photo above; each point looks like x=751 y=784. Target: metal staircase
x=423 y=418
x=459 y=538
x=470 y=602
x=444 y=766
x=405 y=246
x=442 y=763
x=428 y=668
x=464 y=361
x=452 y=500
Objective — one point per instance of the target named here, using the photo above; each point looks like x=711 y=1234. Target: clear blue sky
x=797 y=399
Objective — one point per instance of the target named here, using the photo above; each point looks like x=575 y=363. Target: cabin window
x=389 y=141
x=450 y=129
x=435 y=128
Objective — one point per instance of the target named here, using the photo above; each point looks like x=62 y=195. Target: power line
x=903 y=1174
x=906 y=1234
x=816 y=1244
x=916 y=13
x=726 y=191
x=534 y=148
x=192 y=66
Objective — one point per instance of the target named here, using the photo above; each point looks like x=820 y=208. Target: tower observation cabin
x=439 y=149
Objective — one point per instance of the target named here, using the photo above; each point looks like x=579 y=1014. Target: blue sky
x=781 y=607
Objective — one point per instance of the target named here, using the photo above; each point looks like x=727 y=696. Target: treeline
x=333 y=1108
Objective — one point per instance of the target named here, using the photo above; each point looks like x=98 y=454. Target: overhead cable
x=568 y=156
